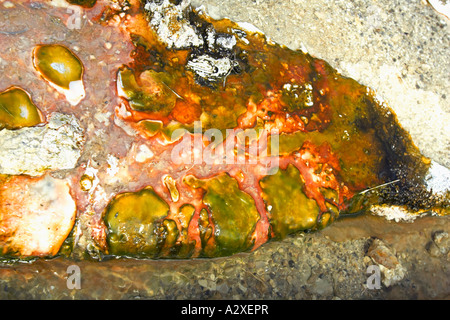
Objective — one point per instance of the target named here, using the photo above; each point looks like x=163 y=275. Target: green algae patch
x=135 y=225
x=232 y=215
x=58 y=65
x=152 y=94
x=17 y=110
x=289 y=208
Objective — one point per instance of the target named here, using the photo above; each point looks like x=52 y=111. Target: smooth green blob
x=17 y=110
x=83 y=3
x=290 y=209
x=58 y=65
x=233 y=213
x=135 y=226
x=151 y=127
x=154 y=95
x=332 y=198
x=330 y=194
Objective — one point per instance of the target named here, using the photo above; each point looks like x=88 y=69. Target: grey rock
x=211 y=69
x=33 y=150
x=163 y=13
x=390 y=267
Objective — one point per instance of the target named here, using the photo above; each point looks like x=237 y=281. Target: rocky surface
x=55 y=146
x=400 y=49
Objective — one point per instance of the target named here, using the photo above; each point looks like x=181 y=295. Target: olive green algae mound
x=289 y=208
x=233 y=215
x=133 y=222
x=58 y=65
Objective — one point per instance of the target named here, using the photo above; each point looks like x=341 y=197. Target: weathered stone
x=34 y=150
x=391 y=269
x=322 y=287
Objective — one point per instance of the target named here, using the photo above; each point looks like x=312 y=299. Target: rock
x=305 y=273
x=394 y=213
x=203 y=283
x=37 y=215
x=242 y=288
x=33 y=150
x=391 y=269
x=442 y=240
x=162 y=14
x=223 y=288
x=210 y=68
x=433 y=249
x=443 y=7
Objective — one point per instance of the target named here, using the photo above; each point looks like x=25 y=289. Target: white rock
x=37 y=215
x=438 y=178
x=249 y=27
x=443 y=7
x=163 y=16
x=391 y=269
x=395 y=213
x=113 y=165
x=143 y=153
x=210 y=68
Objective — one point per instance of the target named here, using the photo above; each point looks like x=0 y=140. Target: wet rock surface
x=56 y=146
x=331 y=264
x=385 y=259
x=399 y=48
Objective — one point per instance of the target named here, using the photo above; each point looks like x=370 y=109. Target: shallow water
x=266 y=273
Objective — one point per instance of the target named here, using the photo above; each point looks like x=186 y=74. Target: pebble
x=223 y=288
x=384 y=257
x=8 y=4
x=322 y=287
x=260 y=264
x=305 y=273
x=441 y=239
x=433 y=249
x=243 y=289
